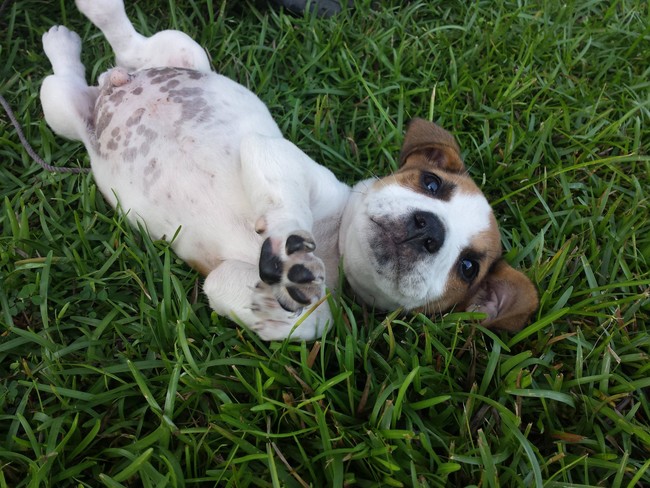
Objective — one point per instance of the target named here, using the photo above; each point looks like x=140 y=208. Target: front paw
x=296 y=276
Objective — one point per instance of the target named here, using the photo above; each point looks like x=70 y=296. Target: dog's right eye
x=431 y=183
x=468 y=269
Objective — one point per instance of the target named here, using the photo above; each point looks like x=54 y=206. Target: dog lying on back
x=179 y=146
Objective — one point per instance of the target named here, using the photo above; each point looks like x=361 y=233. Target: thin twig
x=30 y=150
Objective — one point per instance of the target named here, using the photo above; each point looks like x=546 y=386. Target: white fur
x=202 y=154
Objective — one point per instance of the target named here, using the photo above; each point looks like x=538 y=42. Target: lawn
x=114 y=372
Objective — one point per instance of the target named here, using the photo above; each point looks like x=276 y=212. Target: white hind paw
x=60 y=40
x=99 y=12
x=63 y=48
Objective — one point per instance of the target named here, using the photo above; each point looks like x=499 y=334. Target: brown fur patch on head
x=426 y=143
x=411 y=176
x=506 y=296
x=485 y=250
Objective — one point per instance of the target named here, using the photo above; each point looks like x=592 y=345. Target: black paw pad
x=298 y=295
x=297 y=243
x=270 y=264
x=300 y=274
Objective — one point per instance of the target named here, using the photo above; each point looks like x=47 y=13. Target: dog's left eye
x=431 y=182
x=468 y=269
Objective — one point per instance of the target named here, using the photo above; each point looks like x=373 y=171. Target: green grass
x=114 y=372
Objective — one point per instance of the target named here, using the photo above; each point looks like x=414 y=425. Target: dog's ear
x=426 y=143
x=507 y=296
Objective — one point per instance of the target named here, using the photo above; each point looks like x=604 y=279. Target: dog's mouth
x=394 y=261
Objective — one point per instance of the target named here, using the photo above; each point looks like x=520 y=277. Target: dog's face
x=425 y=238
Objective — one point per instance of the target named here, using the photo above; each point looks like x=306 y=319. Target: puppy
x=193 y=155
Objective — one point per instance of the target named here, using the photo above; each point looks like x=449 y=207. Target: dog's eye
x=431 y=182
x=468 y=269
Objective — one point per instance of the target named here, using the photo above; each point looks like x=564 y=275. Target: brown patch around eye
x=415 y=179
x=444 y=188
x=485 y=249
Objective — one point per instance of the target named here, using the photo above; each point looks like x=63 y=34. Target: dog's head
x=425 y=238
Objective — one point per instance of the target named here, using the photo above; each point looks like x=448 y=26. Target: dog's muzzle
x=425 y=232
x=398 y=245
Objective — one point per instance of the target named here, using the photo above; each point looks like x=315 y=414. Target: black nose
x=425 y=231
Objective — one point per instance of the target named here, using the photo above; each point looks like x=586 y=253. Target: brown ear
x=507 y=296
x=429 y=143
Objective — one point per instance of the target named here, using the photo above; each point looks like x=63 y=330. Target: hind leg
x=66 y=98
x=132 y=50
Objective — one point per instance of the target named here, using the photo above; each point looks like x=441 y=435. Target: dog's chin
x=385 y=295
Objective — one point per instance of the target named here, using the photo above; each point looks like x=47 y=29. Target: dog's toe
x=293 y=274
x=299 y=242
x=270 y=264
x=299 y=273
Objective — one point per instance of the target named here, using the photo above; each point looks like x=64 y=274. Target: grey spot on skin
x=144 y=148
x=151 y=174
x=170 y=85
x=112 y=145
x=137 y=91
x=170 y=73
x=129 y=154
x=117 y=97
x=105 y=117
x=187 y=92
x=151 y=166
x=160 y=75
x=135 y=118
x=148 y=134
x=154 y=72
x=149 y=137
x=196 y=108
x=127 y=139
x=193 y=104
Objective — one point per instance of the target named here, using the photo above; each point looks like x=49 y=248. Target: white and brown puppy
x=180 y=147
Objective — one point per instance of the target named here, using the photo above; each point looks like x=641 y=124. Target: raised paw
x=100 y=12
x=273 y=323
x=291 y=270
x=63 y=48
